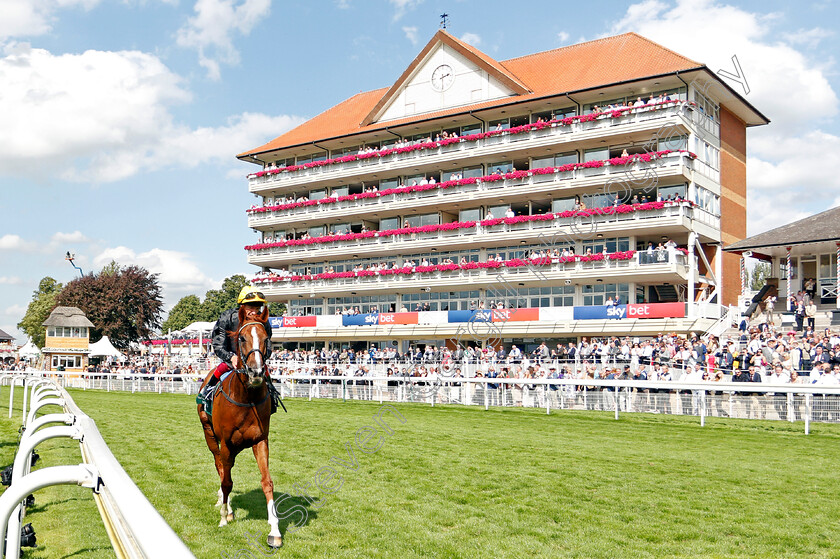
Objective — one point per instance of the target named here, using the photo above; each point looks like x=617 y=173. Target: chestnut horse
x=241 y=413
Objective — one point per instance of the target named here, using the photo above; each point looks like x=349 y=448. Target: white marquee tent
x=29 y=350
x=104 y=348
x=203 y=327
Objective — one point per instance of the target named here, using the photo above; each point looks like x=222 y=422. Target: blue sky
x=119 y=121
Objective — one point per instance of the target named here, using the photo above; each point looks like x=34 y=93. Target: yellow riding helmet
x=250 y=294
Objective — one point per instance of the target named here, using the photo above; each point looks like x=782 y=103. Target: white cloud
x=211 y=31
x=410 y=34
x=10 y=280
x=688 y=29
x=342 y=4
x=808 y=37
x=27 y=18
x=104 y=116
x=563 y=37
x=16 y=311
x=15 y=243
x=471 y=39
x=74 y=237
x=402 y=6
x=791 y=163
x=58 y=108
x=179 y=275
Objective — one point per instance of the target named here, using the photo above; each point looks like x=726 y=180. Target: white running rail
x=136 y=529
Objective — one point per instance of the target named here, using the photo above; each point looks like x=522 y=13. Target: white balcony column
x=692 y=273
x=788 y=279
x=743 y=275
x=719 y=273
x=837 y=278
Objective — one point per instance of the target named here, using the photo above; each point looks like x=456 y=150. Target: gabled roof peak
x=471 y=53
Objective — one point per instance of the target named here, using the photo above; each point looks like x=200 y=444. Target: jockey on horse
x=252 y=300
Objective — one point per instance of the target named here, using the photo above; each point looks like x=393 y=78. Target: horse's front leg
x=227 y=460
x=261 y=454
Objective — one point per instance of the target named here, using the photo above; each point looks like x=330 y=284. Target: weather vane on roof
x=443 y=20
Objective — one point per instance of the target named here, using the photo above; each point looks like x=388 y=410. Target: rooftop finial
x=444 y=19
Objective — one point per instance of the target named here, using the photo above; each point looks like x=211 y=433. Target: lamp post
x=70 y=258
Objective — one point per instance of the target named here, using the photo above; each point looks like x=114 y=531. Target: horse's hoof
x=230 y=517
x=222 y=522
x=275 y=541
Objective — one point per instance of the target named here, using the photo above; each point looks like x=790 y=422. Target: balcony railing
x=606 y=120
x=501 y=227
x=637 y=172
x=628 y=262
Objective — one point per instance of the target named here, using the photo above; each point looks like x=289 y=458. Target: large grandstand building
x=529 y=195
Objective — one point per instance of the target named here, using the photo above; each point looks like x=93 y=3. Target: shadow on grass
x=45 y=505
x=87 y=550
x=293 y=511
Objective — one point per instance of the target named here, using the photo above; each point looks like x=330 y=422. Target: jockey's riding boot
x=205 y=392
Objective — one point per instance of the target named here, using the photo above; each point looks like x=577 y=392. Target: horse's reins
x=238 y=371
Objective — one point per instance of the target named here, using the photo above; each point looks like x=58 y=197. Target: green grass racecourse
x=461 y=482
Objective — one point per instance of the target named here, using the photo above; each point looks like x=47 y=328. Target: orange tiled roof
x=577 y=67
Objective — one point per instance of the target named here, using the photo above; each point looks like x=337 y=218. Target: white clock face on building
x=442 y=77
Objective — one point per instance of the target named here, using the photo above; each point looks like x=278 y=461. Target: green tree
x=185 y=312
x=216 y=301
x=42 y=304
x=124 y=305
x=759 y=275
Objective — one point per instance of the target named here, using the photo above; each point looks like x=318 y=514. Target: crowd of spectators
x=762 y=349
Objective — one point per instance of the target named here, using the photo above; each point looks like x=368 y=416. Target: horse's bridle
x=264 y=352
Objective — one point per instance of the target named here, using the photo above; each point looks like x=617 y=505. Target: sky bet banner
x=602 y=312
x=651 y=310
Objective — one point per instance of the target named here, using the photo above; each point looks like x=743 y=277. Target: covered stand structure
x=803 y=256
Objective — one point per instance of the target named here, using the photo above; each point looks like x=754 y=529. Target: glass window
x=673 y=143
x=501 y=124
x=496 y=212
x=317 y=231
x=597 y=294
x=565 y=158
x=470 y=172
x=564 y=296
x=340 y=228
x=500 y=167
x=470 y=215
x=389 y=223
x=563 y=204
x=565 y=113
x=793 y=262
x=67 y=332
x=828 y=266
x=596 y=154
x=470 y=129
x=672 y=192
x=542 y=162
x=317 y=194
x=544 y=116
x=339 y=191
